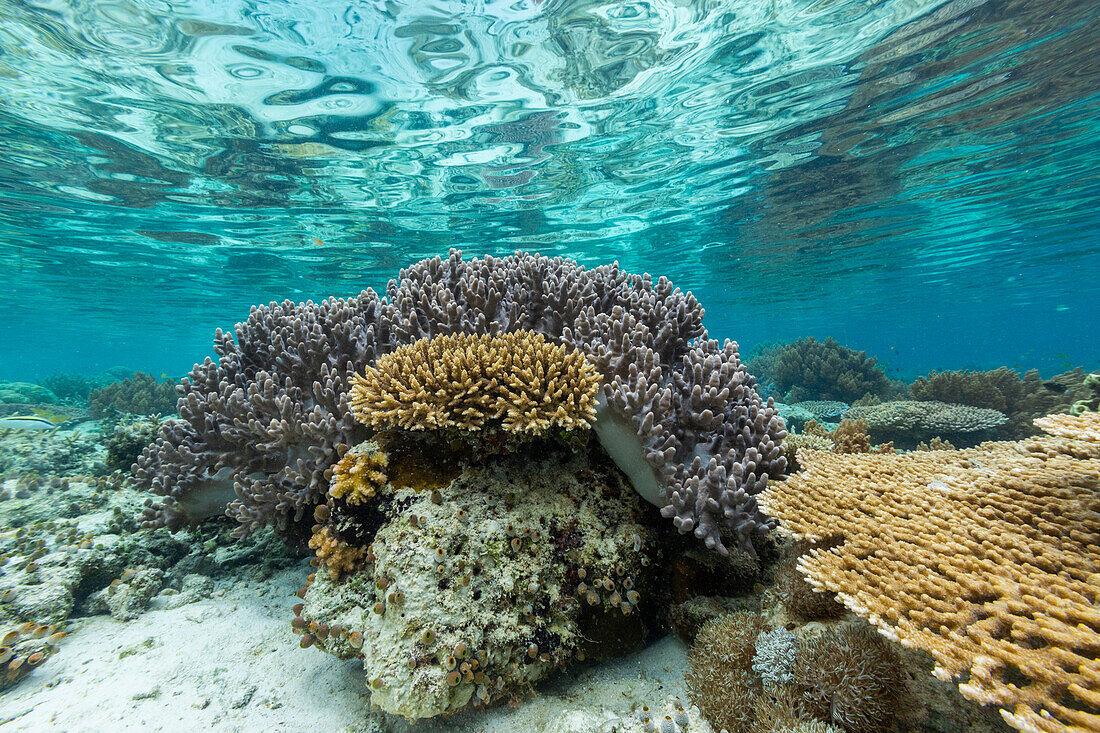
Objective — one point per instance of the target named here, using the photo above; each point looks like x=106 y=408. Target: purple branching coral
x=678 y=412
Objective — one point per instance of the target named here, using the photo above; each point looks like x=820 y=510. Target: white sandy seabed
x=231 y=663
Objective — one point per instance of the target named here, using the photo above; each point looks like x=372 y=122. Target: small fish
x=164 y=375
x=318 y=242
x=37 y=421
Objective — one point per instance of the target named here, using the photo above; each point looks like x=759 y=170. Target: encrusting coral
x=1005 y=538
x=259 y=430
x=463 y=381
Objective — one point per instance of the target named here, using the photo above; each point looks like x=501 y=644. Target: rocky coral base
x=479 y=588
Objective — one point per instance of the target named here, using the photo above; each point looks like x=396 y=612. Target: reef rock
x=481 y=580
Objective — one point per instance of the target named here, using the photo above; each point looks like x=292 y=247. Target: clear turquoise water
x=914 y=178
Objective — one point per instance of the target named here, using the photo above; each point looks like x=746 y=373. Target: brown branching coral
x=987 y=558
x=850 y=436
x=721 y=681
x=357 y=476
x=463 y=381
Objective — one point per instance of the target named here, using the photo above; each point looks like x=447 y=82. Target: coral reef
x=850 y=436
x=464 y=381
x=906 y=422
x=676 y=410
x=1022 y=398
x=1090 y=403
x=484 y=581
x=140 y=394
x=812 y=370
x=25 y=393
x=1006 y=537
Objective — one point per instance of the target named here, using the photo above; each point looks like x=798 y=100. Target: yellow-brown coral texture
x=357 y=476
x=988 y=558
x=462 y=381
x=335 y=554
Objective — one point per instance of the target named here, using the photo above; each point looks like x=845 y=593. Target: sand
x=230 y=663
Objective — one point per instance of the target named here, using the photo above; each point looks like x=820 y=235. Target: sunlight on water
x=821 y=158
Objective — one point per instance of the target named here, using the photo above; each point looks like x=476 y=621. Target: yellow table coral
x=988 y=558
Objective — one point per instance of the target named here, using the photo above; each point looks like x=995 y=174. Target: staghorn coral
x=140 y=394
x=1021 y=397
x=357 y=476
x=908 y=421
x=812 y=370
x=1006 y=537
x=720 y=680
x=463 y=381
x=849 y=676
x=676 y=411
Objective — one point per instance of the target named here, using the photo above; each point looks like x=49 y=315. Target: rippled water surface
x=913 y=177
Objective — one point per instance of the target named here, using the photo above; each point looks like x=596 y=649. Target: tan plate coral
x=988 y=558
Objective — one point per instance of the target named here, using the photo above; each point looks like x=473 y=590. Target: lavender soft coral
x=678 y=411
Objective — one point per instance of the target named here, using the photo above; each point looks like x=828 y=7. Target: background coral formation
x=1006 y=536
x=907 y=421
x=1021 y=397
x=140 y=394
x=463 y=381
x=809 y=369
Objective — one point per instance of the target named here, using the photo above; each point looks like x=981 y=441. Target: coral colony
x=677 y=411
x=480 y=461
